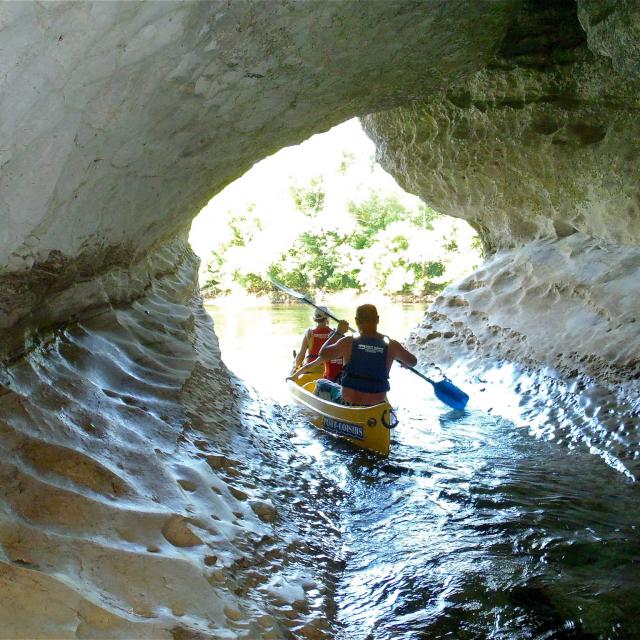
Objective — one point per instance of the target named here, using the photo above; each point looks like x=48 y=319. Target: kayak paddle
x=444 y=390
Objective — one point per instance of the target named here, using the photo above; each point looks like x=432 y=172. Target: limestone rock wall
x=126 y=509
x=524 y=150
x=549 y=333
x=613 y=31
x=539 y=152
x=121 y=120
x=521 y=157
x=144 y=494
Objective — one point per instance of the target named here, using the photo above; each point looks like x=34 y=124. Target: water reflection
x=472 y=528
x=491 y=534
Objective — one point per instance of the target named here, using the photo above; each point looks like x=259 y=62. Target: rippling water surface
x=473 y=528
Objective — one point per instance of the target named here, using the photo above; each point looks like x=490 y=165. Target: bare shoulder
x=401 y=353
x=345 y=340
x=344 y=344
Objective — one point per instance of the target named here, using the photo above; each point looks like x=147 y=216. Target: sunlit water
x=472 y=528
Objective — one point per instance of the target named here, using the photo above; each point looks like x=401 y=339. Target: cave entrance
x=322 y=217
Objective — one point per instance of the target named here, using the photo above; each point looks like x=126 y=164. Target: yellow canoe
x=362 y=426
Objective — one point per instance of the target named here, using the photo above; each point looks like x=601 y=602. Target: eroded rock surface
x=558 y=322
x=144 y=494
x=613 y=31
x=539 y=152
x=127 y=510
x=542 y=144
x=121 y=120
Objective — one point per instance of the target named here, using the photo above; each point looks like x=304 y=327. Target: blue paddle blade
x=448 y=393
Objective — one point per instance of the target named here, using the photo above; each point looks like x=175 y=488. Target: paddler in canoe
x=367 y=360
x=312 y=341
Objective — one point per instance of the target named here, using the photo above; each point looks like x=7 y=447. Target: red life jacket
x=319 y=335
x=332 y=369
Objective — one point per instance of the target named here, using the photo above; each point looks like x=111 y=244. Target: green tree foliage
x=252 y=283
x=380 y=245
x=478 y=246
x=372 y=216
x=424 y=216
x=244 y=229
x=309 y=200
x=316 y=262
x=212 y=286
x=377 y=213
x=345 y=163
x=404 y=261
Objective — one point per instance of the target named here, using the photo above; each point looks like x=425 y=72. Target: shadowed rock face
x=121 y=120
x=541 y=144
x=539 y=152
x=122 y=433
x=613 y=31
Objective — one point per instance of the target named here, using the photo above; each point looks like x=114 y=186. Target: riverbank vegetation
x=346 y=228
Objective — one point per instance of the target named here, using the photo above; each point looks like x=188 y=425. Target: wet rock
x=265 y=510
x=179 y=534
x=540 y=157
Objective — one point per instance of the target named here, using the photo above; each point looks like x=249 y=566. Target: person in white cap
x=313 y=339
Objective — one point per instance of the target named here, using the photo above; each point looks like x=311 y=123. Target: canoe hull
x=364 y=427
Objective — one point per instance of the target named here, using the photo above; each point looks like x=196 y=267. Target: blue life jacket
x=367 y=369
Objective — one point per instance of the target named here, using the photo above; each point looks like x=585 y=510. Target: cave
x=122 y=430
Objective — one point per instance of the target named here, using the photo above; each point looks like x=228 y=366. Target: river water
x=472 y=528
